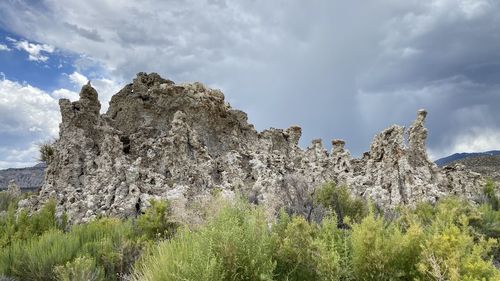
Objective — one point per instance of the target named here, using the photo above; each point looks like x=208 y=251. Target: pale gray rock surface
x=183 y=141
x=13 y=188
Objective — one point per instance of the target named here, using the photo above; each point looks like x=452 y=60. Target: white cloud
x=474 y=140
x=36 y=52
x=478 y=140
x=65 y=94
x=4 y=47
x=78 y=79
x=24 y=156
x=28 y=116
x=24 y=107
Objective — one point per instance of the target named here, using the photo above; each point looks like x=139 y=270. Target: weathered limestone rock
x=13 y=188
x=182 y=141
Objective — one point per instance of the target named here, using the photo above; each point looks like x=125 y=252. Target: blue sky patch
x=47 y=75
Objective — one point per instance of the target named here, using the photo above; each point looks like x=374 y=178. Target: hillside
x=457 y=156
x=488 y=166
x=29 y=179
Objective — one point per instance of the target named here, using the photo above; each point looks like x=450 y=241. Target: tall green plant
x=234 y=245
x=155 y=223
x=385 y=252
x=450 y=251
x=340 y=200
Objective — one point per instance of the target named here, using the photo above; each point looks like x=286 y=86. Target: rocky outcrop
x=487 y=165
x=159 y=139
x=14 y=189
x=28 y=179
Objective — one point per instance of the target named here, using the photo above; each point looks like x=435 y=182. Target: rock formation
x=159 y=139
x=14 y=189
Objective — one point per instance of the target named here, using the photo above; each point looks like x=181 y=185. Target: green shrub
x=80 y=269
x=186 y=257
x=242 y=241
x=155 y=223
x=451 y=254
x=340 y=200
x=385 y=252
x=294 y=251
x=491 y=196
x=306 y=251
x=450 y=251
x=22 y=226
x=47 y=152
x=109 y=242
x=333 y=261
x=35 y=259
x=234 y=245
x=451 y=240
x=7 y=200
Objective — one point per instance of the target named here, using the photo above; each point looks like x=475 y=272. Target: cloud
x=474 y=140
x=477 y=140
x=29 y=116
x=78 y=79
x=338 y=70
x=4 y=47
x=36 y=52
x=24 y=156
x=65 y=94
x=90 y=34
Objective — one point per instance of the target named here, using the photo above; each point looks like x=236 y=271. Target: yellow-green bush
x=451 y=251
x=307 y=251
x=7 y=200
x=340 y=200
x=333 y=261
x=491 y=196
x=22 y=226
x=186 y=257
x=382 y=251
x=35 y=259
x=111 y=243
x=155 y=223
x=294 y=249
x=80 y=269
x=234 y=245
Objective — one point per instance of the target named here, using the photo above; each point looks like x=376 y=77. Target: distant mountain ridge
x=459 y=156
x=28 y=179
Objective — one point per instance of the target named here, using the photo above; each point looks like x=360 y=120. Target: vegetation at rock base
x=451 y=240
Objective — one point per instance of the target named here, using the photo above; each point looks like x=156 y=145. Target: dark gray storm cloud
x=340 y=69
x=90 y=34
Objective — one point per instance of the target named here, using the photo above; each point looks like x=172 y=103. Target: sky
x=338 y=69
